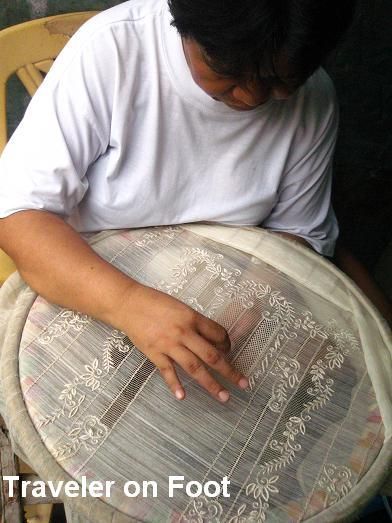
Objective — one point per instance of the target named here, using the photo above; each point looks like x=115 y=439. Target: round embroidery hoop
x=310 y=439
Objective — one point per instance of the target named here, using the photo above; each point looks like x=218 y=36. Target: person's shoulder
x=131 y=13
x=313 y=102
x=312 y=112
x=110 y=36
x=313 y=109
x=319 y=95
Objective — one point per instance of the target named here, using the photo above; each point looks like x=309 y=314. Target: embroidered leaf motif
x=241 y=509
x=250 y=488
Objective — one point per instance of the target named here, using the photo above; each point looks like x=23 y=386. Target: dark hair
x=254 y=38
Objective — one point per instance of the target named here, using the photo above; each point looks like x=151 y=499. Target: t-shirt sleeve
x=303 y=206
x=66 y=128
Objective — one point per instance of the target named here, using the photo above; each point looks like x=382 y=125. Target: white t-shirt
x=119 y=135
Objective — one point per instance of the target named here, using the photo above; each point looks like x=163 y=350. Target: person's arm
x=58 y=264
x=303 y=200
x=358 y=273
x=44 y=172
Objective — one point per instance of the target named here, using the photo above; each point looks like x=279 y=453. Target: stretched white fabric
x=309 y=440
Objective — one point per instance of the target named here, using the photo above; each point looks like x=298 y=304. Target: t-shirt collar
x=181 y=76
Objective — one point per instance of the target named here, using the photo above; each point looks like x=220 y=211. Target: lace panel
x=297 y=441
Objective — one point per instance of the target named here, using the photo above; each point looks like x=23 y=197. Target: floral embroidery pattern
x=66 y=321
x=336 y=480
x=294 y=393
x=275 y=306
x=261 y=491
x=73 y=394
x=322 y=391
x=92 y=377
x=343 y=341
x=203 y=509
x=263 y=488
x=151 y=236
x=287 y=447
x=287 y=371
x=117 y=341
x=191 y=259
x=309 y=325
x=90 y=432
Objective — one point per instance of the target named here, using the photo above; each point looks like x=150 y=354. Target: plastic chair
x=28 y=50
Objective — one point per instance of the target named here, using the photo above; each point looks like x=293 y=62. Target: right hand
x=66 y=271
x=169 y=332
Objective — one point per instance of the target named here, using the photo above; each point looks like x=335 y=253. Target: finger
x=214 y=333
x=215 y=359
x=167 y=369
x=193 y=366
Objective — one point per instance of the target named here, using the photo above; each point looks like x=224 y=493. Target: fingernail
x=223 y=396
x=180 y=394
x=243 y=383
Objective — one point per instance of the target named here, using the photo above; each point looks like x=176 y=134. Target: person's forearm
x=358 y=273
x=58 y=264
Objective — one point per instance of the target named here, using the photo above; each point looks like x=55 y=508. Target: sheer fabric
x=309 y=438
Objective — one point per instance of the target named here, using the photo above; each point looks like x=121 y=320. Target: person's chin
x=243 y=107
x=240 y=107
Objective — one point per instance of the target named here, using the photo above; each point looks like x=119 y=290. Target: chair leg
x=11 y=507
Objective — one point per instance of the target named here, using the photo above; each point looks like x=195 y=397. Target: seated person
x=159 y=114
